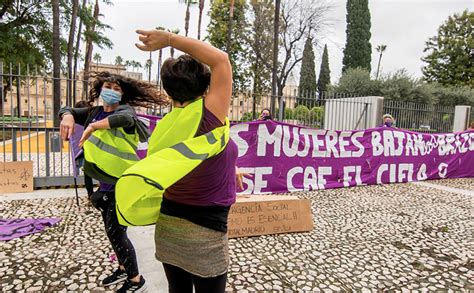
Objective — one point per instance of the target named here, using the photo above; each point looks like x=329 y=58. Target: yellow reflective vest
x=173 y=152
x=108 y=153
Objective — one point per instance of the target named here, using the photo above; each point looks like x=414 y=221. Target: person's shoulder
x=126 y=108
x=95 y=109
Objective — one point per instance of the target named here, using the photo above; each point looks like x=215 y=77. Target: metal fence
x=306 y=110
x=421 y=117
x=27 y=131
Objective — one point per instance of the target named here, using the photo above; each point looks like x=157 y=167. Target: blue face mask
x=388 y=124
x=110 y=97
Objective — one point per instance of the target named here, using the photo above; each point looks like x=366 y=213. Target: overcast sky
x=403 y=25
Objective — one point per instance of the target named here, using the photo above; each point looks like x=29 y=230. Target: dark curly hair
x=185 y=78
x=135 y=92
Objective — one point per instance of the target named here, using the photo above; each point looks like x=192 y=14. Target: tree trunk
x=281 y=103
x=2 y=90
x=255 y=90
x=231 y=24
x=276 y=32
x=201 y=8
x=56 y=63
x=76 y=56
x=70 y=49
x=378 y=66
x=89 y=48
x=158 y=74
x=5 y=89
x=186 y=19
x=149 y=70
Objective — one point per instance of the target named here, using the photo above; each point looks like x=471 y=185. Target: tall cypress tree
x=324 y=73
x=308 y=85
x=358 y=50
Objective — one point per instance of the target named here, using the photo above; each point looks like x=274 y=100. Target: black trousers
x=180 y=281
x=89 y=185
x=117 y=235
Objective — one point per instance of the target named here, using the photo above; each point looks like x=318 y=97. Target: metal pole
x=77 y=193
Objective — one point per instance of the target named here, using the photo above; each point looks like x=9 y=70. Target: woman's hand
x=86 y=134
x=239 y=178
x=66 y=128
x=153 y=40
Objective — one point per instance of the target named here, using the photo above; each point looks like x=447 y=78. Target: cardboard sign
x=16 y=177
x=269 y=214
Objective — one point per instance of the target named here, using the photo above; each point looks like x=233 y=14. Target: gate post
x=462 y=115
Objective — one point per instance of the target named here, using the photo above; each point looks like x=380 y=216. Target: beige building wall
x=36 y=94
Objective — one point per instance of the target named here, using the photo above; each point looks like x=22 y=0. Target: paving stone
x=373 y=238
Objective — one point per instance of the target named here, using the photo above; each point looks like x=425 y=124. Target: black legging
x=89 y=185
x=122 y=246
x=180 y=281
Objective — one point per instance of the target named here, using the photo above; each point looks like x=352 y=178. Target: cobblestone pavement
x=399 y=237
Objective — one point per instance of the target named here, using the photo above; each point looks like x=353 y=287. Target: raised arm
x=220 y=90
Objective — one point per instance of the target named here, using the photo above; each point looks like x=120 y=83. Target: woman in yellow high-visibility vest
x=191 y=230
x=111 y=135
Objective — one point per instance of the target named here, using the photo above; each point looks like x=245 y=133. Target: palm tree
x=160 y=60
x=90 y=28
x=148 y=65
x=118 y=60
x=97 y=58
x=135 y=65
x=188 y=15
x=201 y=8
x=56 y=64
x=128 y=64
x=70 y=50
x=380 y=49
x=76 y=49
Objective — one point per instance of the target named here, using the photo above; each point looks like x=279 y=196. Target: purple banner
x=284 y=157
x=15 y=228
x=149 y=121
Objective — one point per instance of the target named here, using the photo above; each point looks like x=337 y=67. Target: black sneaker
x=116 y=277
x=130 y=286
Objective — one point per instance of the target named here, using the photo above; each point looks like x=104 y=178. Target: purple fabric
x=284 y=157
x=149 y=121
x=76 y=151
x=213 y=181
x=15 y=228
x=101 y=115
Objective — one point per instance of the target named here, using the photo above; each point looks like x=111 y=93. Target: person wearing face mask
x=111 y=135
x=265 y=115
x=388 y=121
